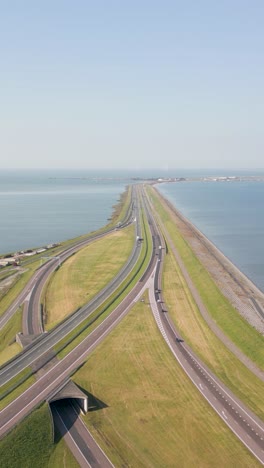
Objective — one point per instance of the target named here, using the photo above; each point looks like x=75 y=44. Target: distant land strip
x=238 y=178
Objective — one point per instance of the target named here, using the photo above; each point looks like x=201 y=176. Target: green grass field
x=30 y=445
x=232 y=323
x=8 y=346
x=148 y=412
x=16 y=386
x=13 y=292
x=197 y=333
x=79 y=333
x=84 y=274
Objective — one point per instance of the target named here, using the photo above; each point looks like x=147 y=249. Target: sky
x=131 y=84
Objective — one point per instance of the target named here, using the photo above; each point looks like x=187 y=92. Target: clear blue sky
x=132 y=83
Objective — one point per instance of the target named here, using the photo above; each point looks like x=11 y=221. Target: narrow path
x=205 y=314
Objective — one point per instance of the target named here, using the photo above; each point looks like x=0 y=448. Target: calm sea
x=41 y=207
x=230 y=214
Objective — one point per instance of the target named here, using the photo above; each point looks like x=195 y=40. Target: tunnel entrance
x=65 y=406
x=69 y=390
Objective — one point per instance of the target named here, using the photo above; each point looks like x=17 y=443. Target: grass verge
x=30 y=444
x=203 y=341
x=84 y=274
x=249 y=340
x=147 y=412
x=77 y=335
x=16 y=386
x=21 y=282
x=32 y=263
x=8 y=346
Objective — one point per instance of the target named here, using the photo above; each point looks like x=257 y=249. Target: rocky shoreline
x=243 y=294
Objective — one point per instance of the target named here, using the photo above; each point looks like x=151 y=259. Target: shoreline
x=235 y=285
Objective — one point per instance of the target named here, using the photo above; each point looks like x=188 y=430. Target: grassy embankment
x=8 y=347
x=32 y=263
x=22 y=433
x=77 y=335
x=124 y=240
x=20 y=283
x=24 y=379
x=148 y=412
x=71 y=278
x=197 y=333
x=16 y=386
x=84 y=274
x=31 y=445
x=232 y=323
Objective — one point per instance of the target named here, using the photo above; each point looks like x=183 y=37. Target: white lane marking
x=93 y=438
x=155 y=312
x=69 y=434
x=72 y=366
x=232 y=399
x=57 y=333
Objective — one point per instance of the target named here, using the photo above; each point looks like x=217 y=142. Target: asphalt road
x=240 y=419
x=49 y=382
x=80 y=441
x=50 y=266
x=48 y=340
x=247 y=426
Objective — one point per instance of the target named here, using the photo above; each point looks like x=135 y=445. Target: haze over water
x=41 y=207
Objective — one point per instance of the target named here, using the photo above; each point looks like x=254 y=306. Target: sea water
x=41 y=207
x=230 y=214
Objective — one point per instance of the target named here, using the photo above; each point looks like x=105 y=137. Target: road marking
x=71 y=437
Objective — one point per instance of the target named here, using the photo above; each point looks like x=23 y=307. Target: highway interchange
x=247 y=426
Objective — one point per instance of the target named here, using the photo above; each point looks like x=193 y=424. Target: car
x=179 y=340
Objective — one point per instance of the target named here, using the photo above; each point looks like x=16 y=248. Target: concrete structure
x=69 y=390
x=25 y=340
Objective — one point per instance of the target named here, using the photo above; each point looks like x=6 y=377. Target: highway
x=80 y=441
x=50 y=381
x=32 y=320
x=47 y=341
x=235 y=414
x=244 y=423
x=34 y=325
